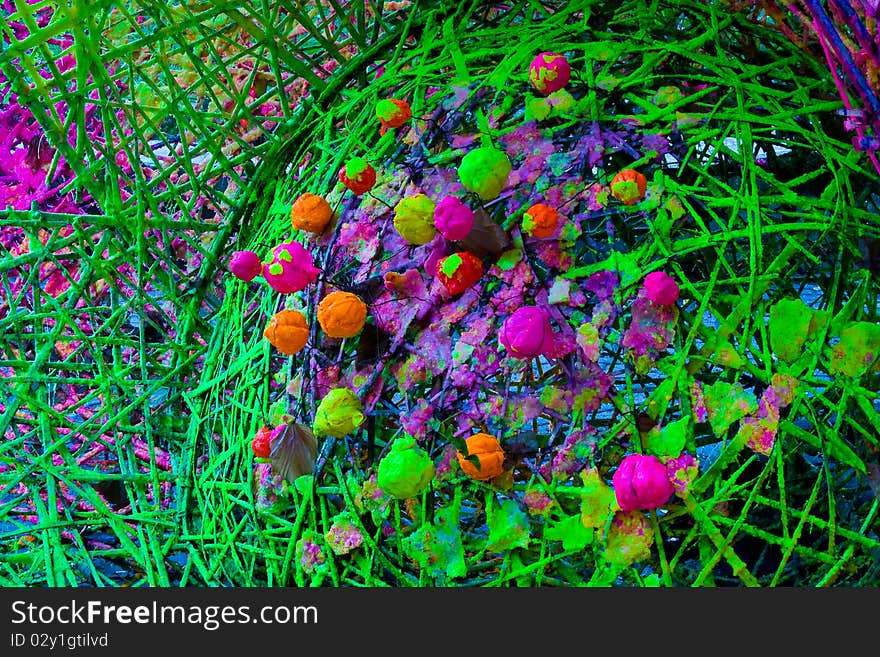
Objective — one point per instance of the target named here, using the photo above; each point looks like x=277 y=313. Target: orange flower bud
x=629 y=186
x=540 y=220
x=342 y=314
x=311 y=213
x=488 y=451
x=287 y=331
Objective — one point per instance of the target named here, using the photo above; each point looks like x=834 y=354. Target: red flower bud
x=459 y=271
x=392 y=113
x=260 y=443
x=358 y=176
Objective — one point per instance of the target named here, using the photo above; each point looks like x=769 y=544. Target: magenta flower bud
x=527 y=332
x=453 y=218
x=661 y=288
x=291 y=269
x=681 y=472
x=641 y=483
x=245 y=265
x=549 y=72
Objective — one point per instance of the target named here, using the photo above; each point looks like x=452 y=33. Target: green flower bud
x=406 y=470
x=414 y=219
x=338 y=414
x=484 y=171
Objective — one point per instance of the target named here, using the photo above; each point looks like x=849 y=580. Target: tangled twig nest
x=643 y=318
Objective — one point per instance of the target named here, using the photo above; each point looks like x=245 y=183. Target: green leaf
x=662 y=225
x=725 y=353
x=629 y=538
x=279 y=207
x=437 y=547
x=675 y=208
x=727 y=403
x=304 y=485
x=571 y=531
x=509 y=258
x=865 y=402
x=606 y=574
x=856 y=303
x=625 y=264
x=508 y=527
x=651 y=581
x=668 y=440
x=857 y=350
x=278 y=412
x=536 y=108
x=598 y=500
x=661 y=397
x=791 y=323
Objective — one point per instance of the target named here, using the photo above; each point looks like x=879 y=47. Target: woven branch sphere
x=536 y=197
x=342 y=314
x=758 y=201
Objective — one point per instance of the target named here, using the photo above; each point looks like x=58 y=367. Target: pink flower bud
x=453 y=218
x=549 y=72
x=641 y=483
x=291 y=269
x=245 y=265
x=661 y=288
x=527 y=332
